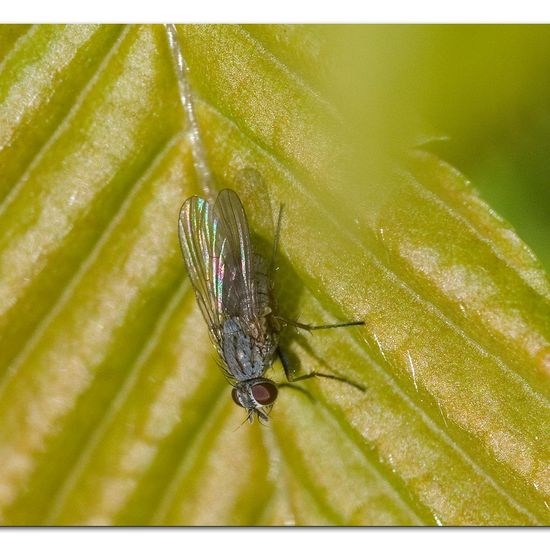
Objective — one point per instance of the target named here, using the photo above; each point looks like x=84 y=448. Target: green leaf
x=112 y=407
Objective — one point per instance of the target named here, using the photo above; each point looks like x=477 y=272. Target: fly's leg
x=309 y=328
x=286 y=366
x=297 y=388
x=313 y=374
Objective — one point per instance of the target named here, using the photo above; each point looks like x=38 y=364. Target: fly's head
x=256 y=396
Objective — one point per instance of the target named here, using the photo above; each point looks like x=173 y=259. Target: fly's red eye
x=235 y=397
x=265 y=392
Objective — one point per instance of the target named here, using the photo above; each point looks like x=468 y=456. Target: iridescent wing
x=240 y=289
x=226 y=276
x=202 y=248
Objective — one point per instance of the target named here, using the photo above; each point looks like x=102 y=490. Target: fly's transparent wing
x=230 y=281
x=240 y=290
x=254 y=190
x=202 y=245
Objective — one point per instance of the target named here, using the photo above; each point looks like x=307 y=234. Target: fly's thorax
x=248 y=347
x=257 y=395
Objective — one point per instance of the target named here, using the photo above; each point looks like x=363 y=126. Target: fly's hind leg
x=289 y=376
x=309 y=328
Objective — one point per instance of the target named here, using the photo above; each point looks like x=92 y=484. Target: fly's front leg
x=313 y=374
x=286 y=366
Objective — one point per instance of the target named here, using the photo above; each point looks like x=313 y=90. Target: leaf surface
x=112 y=407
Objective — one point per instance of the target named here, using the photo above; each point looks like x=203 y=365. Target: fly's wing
x=203 y=247
x=229 y=280
x=254 y=190
x=242 y=292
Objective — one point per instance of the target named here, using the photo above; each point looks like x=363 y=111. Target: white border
x=282 y=11
x=271 y=539
x=343 y=11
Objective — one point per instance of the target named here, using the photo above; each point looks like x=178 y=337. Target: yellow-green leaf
x=112 y=407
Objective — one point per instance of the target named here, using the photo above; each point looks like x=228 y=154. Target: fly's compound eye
x=235 y=397
x=265 y=393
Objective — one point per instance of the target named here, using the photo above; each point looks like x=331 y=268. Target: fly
x=234 y=289
x=233 y=283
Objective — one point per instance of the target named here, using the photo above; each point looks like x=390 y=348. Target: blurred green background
x=481 y=91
